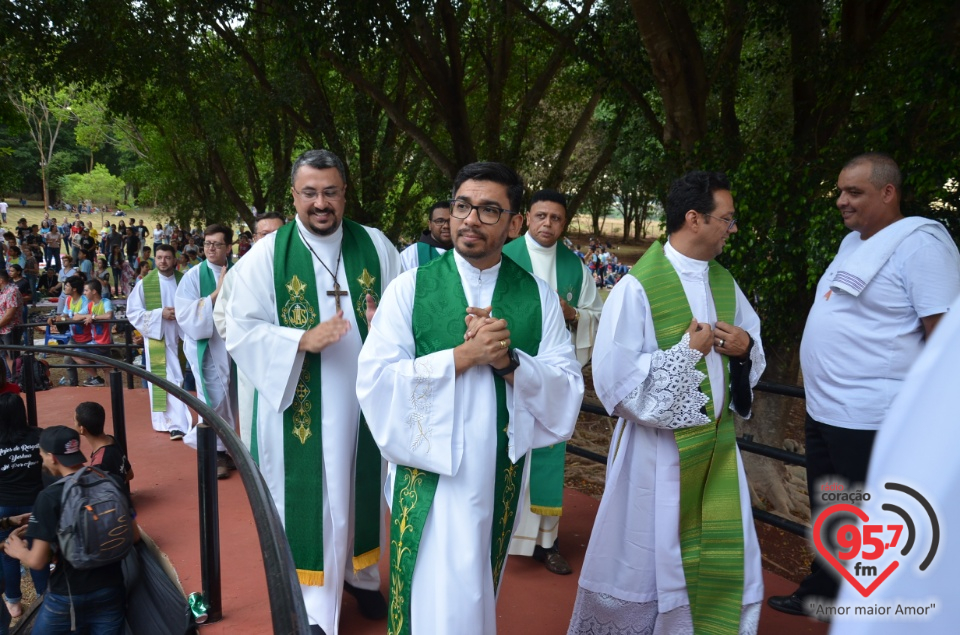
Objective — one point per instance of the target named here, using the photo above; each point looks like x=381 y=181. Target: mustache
x=325 y=210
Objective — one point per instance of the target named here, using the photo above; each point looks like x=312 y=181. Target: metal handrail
x=286 y=599
x=745 y=445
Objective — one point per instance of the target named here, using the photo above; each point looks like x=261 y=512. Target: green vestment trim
x=546 y=464
x=438 y=324
x=157 y=348
x=426 y=253
x=711 y=528
x=298 y=307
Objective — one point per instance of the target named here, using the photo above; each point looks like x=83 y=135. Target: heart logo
x=832 y=559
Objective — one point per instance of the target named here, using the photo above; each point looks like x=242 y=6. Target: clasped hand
x=725 y=339
x=487 y=339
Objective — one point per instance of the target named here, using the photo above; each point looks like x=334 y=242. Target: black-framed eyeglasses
x=441 y=221
x=329 y=193
x=213 y=245
x=729 y=221
x=488 y=214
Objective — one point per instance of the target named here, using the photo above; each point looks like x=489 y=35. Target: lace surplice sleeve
x=670 y=396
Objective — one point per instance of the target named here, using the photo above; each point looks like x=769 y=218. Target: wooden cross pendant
x=336 y=293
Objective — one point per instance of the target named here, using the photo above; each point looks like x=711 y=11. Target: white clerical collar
x=534 y=246
x=684 y=264
x=320 y=242
x=468 y=269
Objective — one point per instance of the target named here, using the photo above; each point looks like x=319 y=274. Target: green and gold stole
x=298 y=307
x=208 y=284
x=711 y=529
x=438 y=311
x=546 y=464
x=426 y=253
x=157 y=348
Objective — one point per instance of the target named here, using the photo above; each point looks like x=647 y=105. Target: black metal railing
x=745 y=445
x=287 y=610
x=127 y=347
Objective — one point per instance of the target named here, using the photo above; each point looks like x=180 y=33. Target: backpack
x=96 y=526
x=41 y=374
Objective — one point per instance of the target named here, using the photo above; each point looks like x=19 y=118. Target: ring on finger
x=503 y=344
x=722 y=342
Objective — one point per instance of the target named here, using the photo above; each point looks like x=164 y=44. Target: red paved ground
x=532 y=601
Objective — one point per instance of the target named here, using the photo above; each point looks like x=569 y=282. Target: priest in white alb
x=150 y=309
x=206 y=351
x=296 y=317
x=673 y=548
x=434 y=241
x=456 y=403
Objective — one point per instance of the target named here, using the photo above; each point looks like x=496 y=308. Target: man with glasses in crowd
x=205 y=350
x=673 y=548
x=433 y=241
x=296 y=319
x=467 y=367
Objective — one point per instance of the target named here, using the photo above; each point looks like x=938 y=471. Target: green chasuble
x=157 y=348
x=546 y=464
x=438 y=324
x=711 y=529
x=296 y=289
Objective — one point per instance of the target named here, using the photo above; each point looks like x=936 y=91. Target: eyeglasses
x=488 y=214
x=441 y=221
x=210 y=245
x=729 y=221
x=329 y=193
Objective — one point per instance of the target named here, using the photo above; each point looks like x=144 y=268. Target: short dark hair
x=551 y=196
x=883 y=169
x=439 y=205
x=496 y=173
x=164 y=247
x=91 y=416
x=74 y=281
x=15 y=250
x=693 y=191
x=95 y=285
x=318 y=160
x=5 y=276
x=217 y=228
x=16 y=268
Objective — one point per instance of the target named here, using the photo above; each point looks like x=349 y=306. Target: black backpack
x=96 y=527
x=41 y=373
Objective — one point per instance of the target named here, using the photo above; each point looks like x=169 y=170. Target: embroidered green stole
x=711 y=529
x=298 y=307
x=546 y=464
x=426 y=253
x=157 y=348
x=438 y=312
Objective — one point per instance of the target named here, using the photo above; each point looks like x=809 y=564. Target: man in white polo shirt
x=891 y=281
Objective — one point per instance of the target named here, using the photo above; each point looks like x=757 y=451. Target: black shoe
x=373 y=606
x=552 y=560
x=790 y=604
x=176 y=435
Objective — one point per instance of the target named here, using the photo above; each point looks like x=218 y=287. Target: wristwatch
x=509 y=368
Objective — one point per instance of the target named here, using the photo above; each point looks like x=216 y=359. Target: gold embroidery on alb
x=301 y=409
x=366 y=287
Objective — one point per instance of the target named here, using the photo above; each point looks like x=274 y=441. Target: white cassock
x=267 y=353
x=245 y=387
x=534 y=529
x=453 y=581
x=195 y=316
x=151 y=324
x=916 y=447
x=410 y=257
x=634 y=550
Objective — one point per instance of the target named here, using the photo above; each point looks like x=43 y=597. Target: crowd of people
x=442 y=383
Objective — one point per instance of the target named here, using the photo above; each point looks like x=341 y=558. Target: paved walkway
x=532 y=601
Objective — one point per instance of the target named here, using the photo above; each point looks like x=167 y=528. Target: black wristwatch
x=509 y=368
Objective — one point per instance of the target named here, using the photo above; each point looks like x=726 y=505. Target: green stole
x=438 y=311
x=546 y=464
x=157 y=349
x=426 y=253
x=711 y=529
x=298 y=307
x=208 y=284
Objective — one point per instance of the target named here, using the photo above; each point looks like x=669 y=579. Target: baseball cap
x=63 y=443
